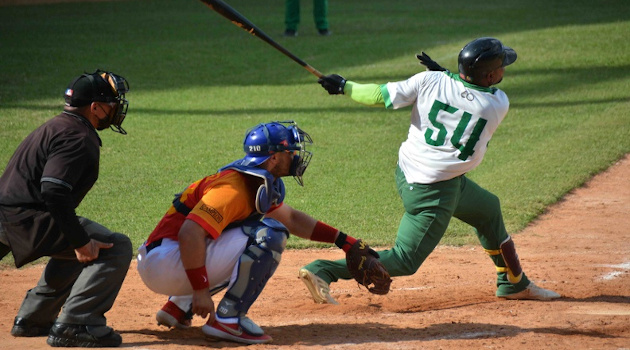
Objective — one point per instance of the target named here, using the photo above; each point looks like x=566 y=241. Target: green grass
x=197 y=82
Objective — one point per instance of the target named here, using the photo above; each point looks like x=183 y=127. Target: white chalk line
x=624 y=267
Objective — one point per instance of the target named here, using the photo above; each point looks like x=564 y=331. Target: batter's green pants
x=428 y=211
x=292 y=14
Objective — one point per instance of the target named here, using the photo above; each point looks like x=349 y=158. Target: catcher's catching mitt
x=364 y=266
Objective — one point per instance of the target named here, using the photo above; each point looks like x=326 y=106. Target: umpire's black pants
x=85 y=291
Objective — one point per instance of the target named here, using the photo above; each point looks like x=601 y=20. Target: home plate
x=621 y=269
x=602 y=309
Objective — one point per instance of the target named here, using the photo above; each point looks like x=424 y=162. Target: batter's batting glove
x=333 y=83
x=429 y=63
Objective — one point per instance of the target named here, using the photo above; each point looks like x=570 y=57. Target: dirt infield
x=580 y=248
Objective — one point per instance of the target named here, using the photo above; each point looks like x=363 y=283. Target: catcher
x=228 y=230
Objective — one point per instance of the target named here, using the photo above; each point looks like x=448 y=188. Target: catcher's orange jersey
x=216 y=201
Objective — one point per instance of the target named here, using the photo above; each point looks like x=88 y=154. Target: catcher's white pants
x=162 y=271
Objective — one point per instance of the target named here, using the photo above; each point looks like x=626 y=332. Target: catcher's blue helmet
x=265 y=139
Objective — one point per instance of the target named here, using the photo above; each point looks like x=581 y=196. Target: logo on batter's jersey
x=212 y=212
x=467 y=95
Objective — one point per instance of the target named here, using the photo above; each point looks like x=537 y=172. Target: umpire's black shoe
x=26 y=328
x=75 y=335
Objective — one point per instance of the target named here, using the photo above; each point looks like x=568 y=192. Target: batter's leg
x=481 y=209
x=428 y=210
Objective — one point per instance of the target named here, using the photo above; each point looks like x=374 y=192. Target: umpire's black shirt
x=47 y=177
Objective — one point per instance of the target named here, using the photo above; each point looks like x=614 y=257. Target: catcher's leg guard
x=512 y=267
x=257 y=264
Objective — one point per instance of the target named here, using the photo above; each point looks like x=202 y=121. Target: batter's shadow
x=343 y=333
x=337 y=334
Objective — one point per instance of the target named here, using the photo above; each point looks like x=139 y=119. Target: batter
x=453 y=118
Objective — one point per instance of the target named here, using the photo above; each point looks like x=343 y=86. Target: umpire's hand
x=90 y=251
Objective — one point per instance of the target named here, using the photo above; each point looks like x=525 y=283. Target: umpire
x=46 y=179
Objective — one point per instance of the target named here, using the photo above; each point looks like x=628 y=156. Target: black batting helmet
x=482 y=56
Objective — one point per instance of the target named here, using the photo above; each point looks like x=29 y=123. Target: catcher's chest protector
x=270 y=193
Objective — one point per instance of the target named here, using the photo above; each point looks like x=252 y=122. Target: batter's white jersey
x=452 y=122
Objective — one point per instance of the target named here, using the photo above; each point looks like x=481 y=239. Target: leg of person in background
x=320 y=13
x=291 y=17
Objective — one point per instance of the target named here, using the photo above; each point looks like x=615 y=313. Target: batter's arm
x=367 y=94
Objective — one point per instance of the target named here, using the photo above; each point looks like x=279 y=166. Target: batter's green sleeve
x=367 y=94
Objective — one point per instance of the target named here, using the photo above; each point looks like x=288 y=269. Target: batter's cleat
x=318 y=288
x=532 y=292
x=27 y=328
x=82 y=336
x=245 y=331
x=173 y=317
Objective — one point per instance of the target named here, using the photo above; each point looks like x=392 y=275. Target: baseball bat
x=239 y=20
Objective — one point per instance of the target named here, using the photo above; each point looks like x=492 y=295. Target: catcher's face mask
x=301 y=157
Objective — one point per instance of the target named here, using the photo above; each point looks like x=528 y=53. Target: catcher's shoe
x=173 y=317
x=318 y=288
x=532 y=292
x=245 y=331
